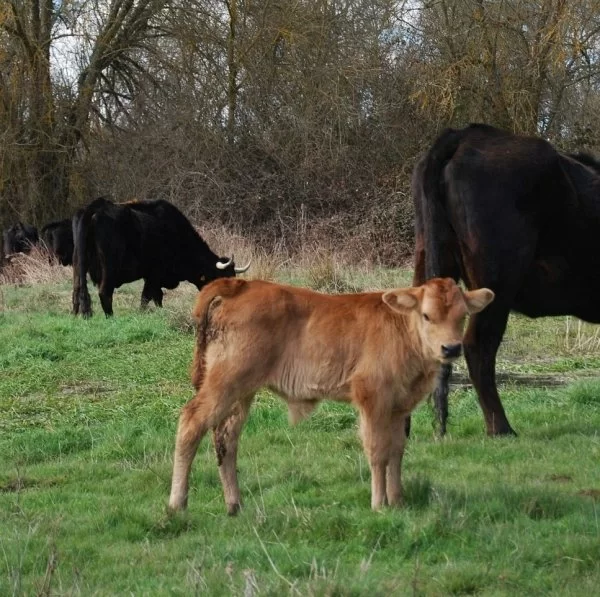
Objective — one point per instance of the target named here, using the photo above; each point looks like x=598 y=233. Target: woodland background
x=290 y=121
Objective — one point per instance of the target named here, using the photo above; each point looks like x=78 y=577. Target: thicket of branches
x=287 y=119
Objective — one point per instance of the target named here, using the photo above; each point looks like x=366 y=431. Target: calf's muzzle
x=451 y=351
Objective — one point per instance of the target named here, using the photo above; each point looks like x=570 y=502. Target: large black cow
x=58 y=238
x=509 y=213
x=153 y=240
x=19 y=238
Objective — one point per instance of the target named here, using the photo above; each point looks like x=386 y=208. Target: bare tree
x=508 y=62
x=51 y=126
x=281 y=116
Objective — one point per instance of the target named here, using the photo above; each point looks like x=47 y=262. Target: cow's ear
x=478 y=300
x=402 y=300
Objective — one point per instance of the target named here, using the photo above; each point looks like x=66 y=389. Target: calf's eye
x=425 y=317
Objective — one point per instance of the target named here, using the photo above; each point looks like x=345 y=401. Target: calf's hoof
x=176 y=505
x=233 y=509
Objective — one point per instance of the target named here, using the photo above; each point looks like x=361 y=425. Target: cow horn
x=241 y=270
x=225 y=265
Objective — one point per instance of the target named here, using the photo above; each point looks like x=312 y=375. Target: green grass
x=88 y=411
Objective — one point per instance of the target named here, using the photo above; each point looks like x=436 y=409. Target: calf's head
x=439 y=309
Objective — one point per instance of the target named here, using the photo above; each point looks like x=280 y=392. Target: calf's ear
x=402 y=300
x=478 y=300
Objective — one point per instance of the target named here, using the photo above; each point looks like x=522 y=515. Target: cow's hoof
x=507 y=431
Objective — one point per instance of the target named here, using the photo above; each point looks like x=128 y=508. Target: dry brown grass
x=35 y=267
x=312 y=252
x=581 y=337
x=226 y=242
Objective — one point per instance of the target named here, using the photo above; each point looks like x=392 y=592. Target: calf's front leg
x=394 y=466
x=375 y=434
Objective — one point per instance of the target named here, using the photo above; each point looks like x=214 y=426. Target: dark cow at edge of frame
x=58 y=238
x=153 y=240
x=19 y=238
x=513 y=214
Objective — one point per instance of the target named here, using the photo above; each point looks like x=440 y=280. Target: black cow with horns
x=153 y=240
x=512 y=214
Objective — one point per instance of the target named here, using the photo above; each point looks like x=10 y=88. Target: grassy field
x=88 y=411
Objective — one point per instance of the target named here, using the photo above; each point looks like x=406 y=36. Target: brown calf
x=381 y=351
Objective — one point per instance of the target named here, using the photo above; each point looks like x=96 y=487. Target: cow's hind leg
x=105 y=292
x=226 y=437
x=393 y=471
x=481 y=343
x=205 y=411
x=76 y=289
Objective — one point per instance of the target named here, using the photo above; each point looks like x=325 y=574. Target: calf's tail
x=437 y=247
x=209 y=298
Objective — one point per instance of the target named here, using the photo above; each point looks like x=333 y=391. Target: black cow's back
x=152 y=240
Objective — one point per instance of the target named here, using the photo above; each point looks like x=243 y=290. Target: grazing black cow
x=513 y=214
x=19 y=238
x=58 y=238
x=153 y=240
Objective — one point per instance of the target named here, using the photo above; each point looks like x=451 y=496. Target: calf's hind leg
x=205 y=411
x=226 y=437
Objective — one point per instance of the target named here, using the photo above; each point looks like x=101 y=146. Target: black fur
x=58 y=238
x=513 y=214
x=120 y=243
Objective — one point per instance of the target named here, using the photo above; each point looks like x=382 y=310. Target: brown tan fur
x=380 y=351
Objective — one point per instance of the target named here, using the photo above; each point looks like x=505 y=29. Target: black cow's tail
x=82 y=303
x=437 y=247
x=439 y=239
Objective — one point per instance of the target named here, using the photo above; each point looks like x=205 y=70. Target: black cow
x=58 y=238
x=19 y=238
x=513 y=214
x=153 y=240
